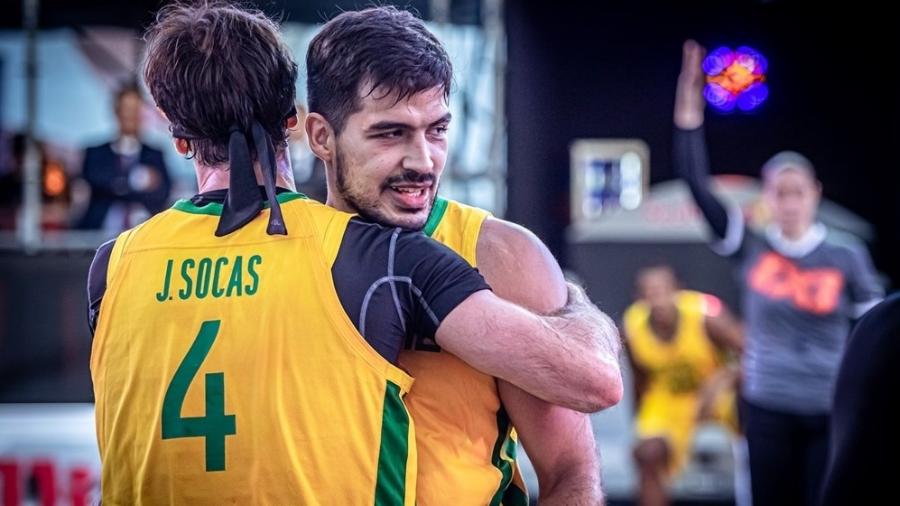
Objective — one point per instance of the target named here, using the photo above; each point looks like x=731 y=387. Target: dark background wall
x=45 y=344
x=608 y=69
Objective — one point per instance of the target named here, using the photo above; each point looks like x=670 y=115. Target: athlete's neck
x=664 y=322
x=334 y=198
x=338 y=203
x=217 y=177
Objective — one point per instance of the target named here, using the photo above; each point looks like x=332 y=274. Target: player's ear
x=321 y=136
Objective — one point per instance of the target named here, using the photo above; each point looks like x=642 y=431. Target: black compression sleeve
x=441 y=280
x=692 y=165
x=96 y=284
x=398 y=285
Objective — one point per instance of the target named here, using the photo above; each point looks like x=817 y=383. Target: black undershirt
x=692 y=165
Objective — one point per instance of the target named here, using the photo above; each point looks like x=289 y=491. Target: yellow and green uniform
x=226 y=371
x=466 y=443
x=676 y=370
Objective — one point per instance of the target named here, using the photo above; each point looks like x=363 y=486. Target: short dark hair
x=656 y=267
x=384 y=48
x=126 y=88
x=213 y=65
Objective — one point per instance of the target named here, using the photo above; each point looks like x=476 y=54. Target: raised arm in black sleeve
x=692 y=165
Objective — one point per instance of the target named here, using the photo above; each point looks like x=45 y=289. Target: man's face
x=390 y=155
x=793 y=196
x=128 y=113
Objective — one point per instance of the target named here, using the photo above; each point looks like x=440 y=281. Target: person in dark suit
x=128 y=179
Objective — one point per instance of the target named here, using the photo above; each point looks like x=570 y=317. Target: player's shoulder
x=330 y=225
x=442 y=205
x=407 y=246
x=454 y=217
x=514 y=247
x=101 y=256
x=636 y=311
x=98 y=272
x=503 y=237
x=315 y=208
x=151 y=225
x=519 y=266
x=703 y=304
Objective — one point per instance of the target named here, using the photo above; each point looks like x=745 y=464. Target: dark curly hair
x=382 y=48
x=212 y=65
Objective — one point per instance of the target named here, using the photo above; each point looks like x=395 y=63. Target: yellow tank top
x=226 y=371
x=681 y=366
x=465 y=441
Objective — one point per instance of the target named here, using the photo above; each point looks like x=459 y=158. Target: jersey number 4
x=216 y=424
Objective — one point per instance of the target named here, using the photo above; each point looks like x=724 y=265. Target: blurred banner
x=48 y=455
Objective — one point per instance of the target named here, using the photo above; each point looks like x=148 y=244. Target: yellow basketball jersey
x=226 y=371
x=680 y=366
x=677 y=369
x=465 y=441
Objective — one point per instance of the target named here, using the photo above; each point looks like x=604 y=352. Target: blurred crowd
x=120 y=183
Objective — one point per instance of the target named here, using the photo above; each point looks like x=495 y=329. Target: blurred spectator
x=128 y=179
x=677 y=341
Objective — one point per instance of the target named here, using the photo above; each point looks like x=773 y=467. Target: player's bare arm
x=727 y=334
x=559 y=441
x=569 y=358
x=725 y=331
x=689 y=101
x=638 y=374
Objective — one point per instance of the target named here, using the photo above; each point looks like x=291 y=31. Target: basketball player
x=225 y=366
x=678 y=342
x=378 y=84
